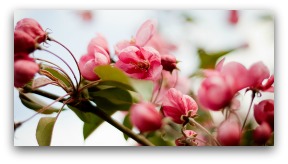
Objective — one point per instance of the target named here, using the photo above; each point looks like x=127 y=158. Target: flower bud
x=262 y=133
x=168 y=62
x=264 y=112
x=215 y=93
x=24 y=71
x=145 y=117
x=32 y=28
x=176 y=105
x=23 y=43
x=229 y=133
x=98 y=41
x=89 y=62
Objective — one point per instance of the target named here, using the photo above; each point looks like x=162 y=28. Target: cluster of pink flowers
x=148 y=56
x=27 y=35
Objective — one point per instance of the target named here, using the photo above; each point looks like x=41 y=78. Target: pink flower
x=215 y=92
x=176 y=105
x=23 y=43
x=140 y=63
x=233 y=17
x=262 y=133
x=182 y=140
x=264 y=112
x=143 y=35
x=32 y=28
x=168 y=62
x=258 y=72
x=145 y=117
x=97 y=55
x=229 y=132
x=24 y=71
x=98 y=41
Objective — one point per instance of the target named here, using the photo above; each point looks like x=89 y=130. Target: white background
x=12 y=154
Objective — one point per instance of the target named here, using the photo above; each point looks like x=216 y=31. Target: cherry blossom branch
x=89 y=107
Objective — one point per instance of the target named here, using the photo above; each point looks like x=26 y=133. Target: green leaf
x=208 y=60
x=90 y=119
x=44 y=130
x=127 y=124
x=117 y=84
x=56 y=75
x=143 y=87
x=88 y=129
x=35 y=106
x=112 y=98
x=110 y=73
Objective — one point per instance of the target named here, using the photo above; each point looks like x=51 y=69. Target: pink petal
x=121 y=45
x=145 y=32
x=257 y=73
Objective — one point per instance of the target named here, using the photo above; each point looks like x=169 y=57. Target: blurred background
x=248 y=34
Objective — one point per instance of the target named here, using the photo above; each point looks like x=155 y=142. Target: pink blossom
x=145 y=117
x=233 y=17
x=23 y=43
x=140 y=63
x=143 y=35
x=97 y=55
x=24 y=71
x=176 y=105
x=215 y=92
x=98 y=41
x=32 y=28
x=264 y=112
x=262 y=133
x=168 y=62
x=182 y=140
x=258 y=72
x=229 y=132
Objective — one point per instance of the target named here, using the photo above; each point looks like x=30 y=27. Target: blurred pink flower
x=215 y=92
x=233 y=17
x=176 y=105
x=170 y=80
x=24 y=71
x=161 y=44
x=23 y=43
x=262 y=133
x=32 y=28
x=145 y=117
x=182 y=140
x=140 y=63
x=264 y=112
x=143 y=35
x=97 y=55
x=258 y=72
x=229 y=132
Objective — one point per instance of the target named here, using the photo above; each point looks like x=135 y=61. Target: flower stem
x=63 y=62
x=252 y=98
x=194 y=122
x=51 y=39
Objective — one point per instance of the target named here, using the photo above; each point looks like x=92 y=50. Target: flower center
x=143 y=65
